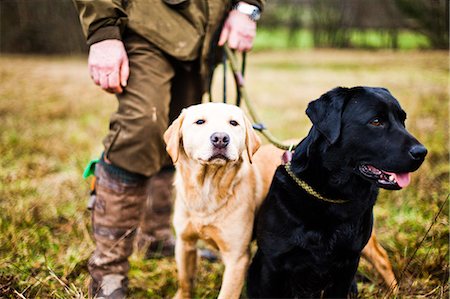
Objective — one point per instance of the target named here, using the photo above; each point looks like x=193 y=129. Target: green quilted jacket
x=183 y=29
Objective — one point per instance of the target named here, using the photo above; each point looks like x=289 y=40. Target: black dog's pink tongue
x=402 y=179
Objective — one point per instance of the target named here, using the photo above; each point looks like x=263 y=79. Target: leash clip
x=287 y=155
x=259 y=127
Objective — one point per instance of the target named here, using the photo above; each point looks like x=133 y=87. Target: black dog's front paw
x=353 y=294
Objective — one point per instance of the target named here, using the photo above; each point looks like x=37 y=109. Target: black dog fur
x=309 y=248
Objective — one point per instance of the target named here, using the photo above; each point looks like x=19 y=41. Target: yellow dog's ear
x=172 y=137
x=252 y=141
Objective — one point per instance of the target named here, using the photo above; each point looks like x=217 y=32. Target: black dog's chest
x=328 y=246
x=319 y=240
x=317 y=259
x=328 y=240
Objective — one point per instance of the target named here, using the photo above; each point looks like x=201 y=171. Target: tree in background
x=330 y=23
x=429 y=17
x=52 y=26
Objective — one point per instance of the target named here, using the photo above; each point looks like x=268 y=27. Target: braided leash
x=243 y=92
x=310 y=190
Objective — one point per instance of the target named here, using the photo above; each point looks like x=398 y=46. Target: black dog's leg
x=338 y=290
x=262 y=282
x=354 y=289
x=253 y=277
x=344 y=283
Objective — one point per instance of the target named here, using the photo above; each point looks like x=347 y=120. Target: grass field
x=52 y=120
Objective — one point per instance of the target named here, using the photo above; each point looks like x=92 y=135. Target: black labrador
x=317 y=217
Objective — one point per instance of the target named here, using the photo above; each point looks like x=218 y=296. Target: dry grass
x=53 y=120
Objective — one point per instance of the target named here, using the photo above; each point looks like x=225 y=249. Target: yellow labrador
x=218 y=190
x=221 y=182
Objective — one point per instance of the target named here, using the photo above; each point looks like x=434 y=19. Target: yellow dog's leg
x=186 y=258
x=234 y=275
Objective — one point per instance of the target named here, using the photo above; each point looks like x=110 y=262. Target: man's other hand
x=238 y=31
x=108 y=65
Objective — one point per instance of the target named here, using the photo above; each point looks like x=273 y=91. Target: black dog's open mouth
x=385 y=179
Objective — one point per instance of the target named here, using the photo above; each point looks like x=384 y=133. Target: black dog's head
x=364 y=131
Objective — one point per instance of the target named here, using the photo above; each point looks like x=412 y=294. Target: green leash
x=240 y=83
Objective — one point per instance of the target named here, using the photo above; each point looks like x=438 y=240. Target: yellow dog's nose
x=220 y=139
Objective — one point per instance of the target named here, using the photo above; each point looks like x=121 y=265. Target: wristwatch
x=252 y=11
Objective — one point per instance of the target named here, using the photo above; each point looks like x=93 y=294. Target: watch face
x=255 y=15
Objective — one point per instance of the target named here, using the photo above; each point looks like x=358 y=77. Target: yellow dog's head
x=212 y=133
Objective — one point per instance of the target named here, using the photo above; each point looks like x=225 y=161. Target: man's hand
x=108 y=65
x=239 y=31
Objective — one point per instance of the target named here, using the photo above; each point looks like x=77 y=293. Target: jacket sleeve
x=101 y=19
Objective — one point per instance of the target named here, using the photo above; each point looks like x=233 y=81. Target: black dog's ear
x=325 y=113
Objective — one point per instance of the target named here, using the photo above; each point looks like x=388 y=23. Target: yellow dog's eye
x=234 y=123
x=200 y=122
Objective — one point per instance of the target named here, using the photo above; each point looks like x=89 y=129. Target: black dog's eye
x=200 y=122
x=376 y=122
x=234 y=123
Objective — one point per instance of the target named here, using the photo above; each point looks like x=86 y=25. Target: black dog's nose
x=418 y=152
x=220 y=139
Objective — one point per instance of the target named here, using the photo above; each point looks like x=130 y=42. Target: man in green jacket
x=155 y=55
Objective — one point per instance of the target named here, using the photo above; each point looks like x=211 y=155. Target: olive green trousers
x=158 y=88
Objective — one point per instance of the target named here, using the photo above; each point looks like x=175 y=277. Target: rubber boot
x=155 y=236
x=115 y=217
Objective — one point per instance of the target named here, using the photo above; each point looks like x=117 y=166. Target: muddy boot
x=119 y=197
x=155 y=237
